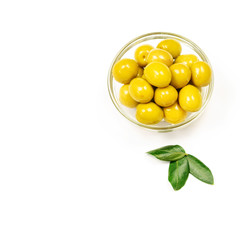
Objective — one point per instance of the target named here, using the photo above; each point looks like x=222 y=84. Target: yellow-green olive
x=158 y=74
x=125 y=70
x=165 y=97
x=141 y=54
x=201 y=74
x=140 y=72
x=187 y=59
x=140 y=90
x=149 y=113
x=181 y=75
x=174 y=114
x=125 y=97
x=160 y=55
x=172 y=46
x=190 y=98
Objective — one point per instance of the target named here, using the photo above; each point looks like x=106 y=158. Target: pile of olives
x=161 y=83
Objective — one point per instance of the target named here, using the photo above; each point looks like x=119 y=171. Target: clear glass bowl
x=188 y=47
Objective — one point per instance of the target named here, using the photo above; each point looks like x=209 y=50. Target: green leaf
x=199 y=170
x=178 y=173
x=168 y=153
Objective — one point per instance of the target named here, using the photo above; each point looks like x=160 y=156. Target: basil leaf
x=168 y=153
x=199 y=170
x=178 y=173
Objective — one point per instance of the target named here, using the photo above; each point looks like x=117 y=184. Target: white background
x=71 y=166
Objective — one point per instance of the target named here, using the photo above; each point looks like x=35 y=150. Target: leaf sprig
x=181 y=164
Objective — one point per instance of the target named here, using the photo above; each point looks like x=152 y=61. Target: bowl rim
x=151 y=36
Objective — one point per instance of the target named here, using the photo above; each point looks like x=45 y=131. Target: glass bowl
x=188 y=47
